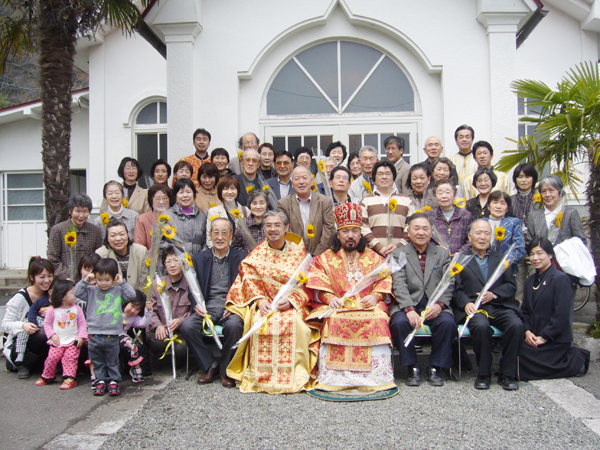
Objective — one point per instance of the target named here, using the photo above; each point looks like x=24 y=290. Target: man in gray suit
x=412 y=287
x=306 y=208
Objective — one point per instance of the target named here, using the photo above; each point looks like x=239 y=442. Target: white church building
x=295 y=73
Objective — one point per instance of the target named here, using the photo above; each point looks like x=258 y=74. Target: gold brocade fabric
x=350 y=333
x=283 y=358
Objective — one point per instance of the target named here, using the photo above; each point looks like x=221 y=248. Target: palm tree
x=55 y=25
x=567 y=132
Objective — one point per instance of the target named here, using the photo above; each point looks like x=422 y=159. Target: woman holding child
x=26 y=342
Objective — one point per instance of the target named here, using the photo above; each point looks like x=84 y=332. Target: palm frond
x=16 y=40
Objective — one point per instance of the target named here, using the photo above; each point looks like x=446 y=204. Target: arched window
x=340 y=77
x=150 y=130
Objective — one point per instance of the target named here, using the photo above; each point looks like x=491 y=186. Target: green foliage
x=594 y=330
x=567 y=126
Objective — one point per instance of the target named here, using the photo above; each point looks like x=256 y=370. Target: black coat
x=548 y=312
x=470 y=282
x=203 y=262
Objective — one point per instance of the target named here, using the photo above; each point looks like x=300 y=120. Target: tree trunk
x=57 y=38
x=593 y=192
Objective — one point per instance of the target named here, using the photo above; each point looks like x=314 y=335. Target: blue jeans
x=104 y=353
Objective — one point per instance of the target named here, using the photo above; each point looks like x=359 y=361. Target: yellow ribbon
x=170 y=342
x=148 y=284
x=423 y=314
x=211 y=325
x=263 y=329
x=350 y=301
x=485 y=313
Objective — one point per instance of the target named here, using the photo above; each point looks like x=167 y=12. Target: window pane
x=406 y=138
x=371 y=139
x=163 y=146
x=311 y=142
x=147 y=151
x=163 y=112
x=321 y=62
x=387 y=90
x=148 y=115
x=35 y=197
x=279 y=143
x=293 y=143
x=357 y=60
x=325 y=141
x=354 y=143
x=24 y=180
x=21 y=213
x=293 y=93
x=521 y=106
x=78 y=182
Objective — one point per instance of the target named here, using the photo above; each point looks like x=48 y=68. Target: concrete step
x=12 y=279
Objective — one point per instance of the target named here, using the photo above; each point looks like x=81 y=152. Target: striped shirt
x=375 y=220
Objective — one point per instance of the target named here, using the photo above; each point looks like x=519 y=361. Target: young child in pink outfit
x=66 y=330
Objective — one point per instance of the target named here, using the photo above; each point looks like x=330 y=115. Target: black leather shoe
x=434 y=376
x=414 y=376
x=508 y=383
x=482 y=383
x=208 y=377
x=23 y=373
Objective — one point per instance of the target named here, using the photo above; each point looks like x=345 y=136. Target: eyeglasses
x=283 y=163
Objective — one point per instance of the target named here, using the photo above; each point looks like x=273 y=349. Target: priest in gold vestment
x=281 y=358
x=356 y=346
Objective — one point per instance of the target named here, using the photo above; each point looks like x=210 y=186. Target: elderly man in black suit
x=497 y=309
x=413 y=286
x=216 y=270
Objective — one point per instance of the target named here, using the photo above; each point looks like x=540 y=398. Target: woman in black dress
x=548 y=317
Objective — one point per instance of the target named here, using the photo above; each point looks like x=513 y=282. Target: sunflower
x=314 y=186
x=164 y=218
x=499 y=232
x=537 y=198
x=104 y=218
x=188 y=259
x=456 y=269
x=418 y=211
x=240 y=155
x=266 y=188
x=249 y=188
x=558 y=219
x=169 y=232
x=310 y=231
x=160 y=287
x=301 y=278
x=148 y=262
x=236 y=213
x=213 y=217
x=211 y=204
x=426 y=208
x=367 y=186
x=460 y=202
x=125 y=202
x=393 y=203
x=71 y=239
x=322 y=167
x=384 y=273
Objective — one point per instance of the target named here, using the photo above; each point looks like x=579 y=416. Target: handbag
x=575 y=259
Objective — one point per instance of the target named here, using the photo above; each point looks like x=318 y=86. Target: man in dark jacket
x=497 y=309
x=216 y=270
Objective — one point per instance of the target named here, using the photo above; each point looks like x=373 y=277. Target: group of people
x=249 y=221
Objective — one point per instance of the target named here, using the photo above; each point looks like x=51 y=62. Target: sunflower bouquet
x=323 y=170
x=71 y=242
x=392 y=205
x=509 y=258
x=554 y=228
x=389 y=266
x=166 y=304
x=160 y=226
x=456 y=266
x=298 y=278
x=190 y=275
x=232 y=209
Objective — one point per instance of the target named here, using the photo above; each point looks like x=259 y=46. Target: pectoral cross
x=356 y=275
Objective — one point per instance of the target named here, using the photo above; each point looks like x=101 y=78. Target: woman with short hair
x=113 y=195
x=187 y=219
x=160 y=199
x=228 y=191
x=484 y=181
x=419 y=180
x=208 y=177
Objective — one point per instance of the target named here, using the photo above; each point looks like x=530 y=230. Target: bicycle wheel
x=582 y=295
